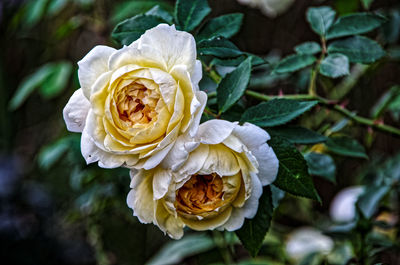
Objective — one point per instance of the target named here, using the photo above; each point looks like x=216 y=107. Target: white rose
x=343 y=206
x=135 y=102
x=306 y=240
x=270 y=8
x=211 y=182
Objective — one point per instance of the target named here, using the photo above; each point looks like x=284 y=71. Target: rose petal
x=75 y=112
x=214 y=131
x=209 y=223
x=174 y=47
x=248 y=210
x=92 y=66
x=167 y=222
x=161 y=180
x=140 y=200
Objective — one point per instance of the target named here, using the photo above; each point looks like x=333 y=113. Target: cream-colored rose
x=343 y=205
x=307 y=240
x=213 y=181
x=270 y=8
x=135 y=102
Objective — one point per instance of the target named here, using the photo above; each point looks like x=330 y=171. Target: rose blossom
x=307 y=240
x=134 y=102
x=213 y=181
x=270 y=8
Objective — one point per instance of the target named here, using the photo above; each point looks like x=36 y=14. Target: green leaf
x=320 y=19
x=394 y=108
x=354 y=24
x=55 y=7
x=321 y=165
x=219 y=47
x=131 y=29
x=29 y=84
x=35 y=11
x=368 y=202
x=128 y=9
x=253 y=231
x=346 y=146
x=55 y=83
x=298 y=135
x=390 y=31
x=232 y=87
x=335 y=65
x=50 y=154
x=276 y=112
x=224 y=26
x=343 y=7
x=367 y=3
x=386 y=100
x=294 y=62
x=255 y=60
x=158 y=11
x=190 y=13
x=310 y=47
x=358 y=49
x=174 y=252
x=293 y=174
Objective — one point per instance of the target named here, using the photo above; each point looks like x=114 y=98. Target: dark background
x=47 y=219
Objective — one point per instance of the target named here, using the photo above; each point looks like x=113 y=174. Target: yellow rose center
x=136 y=104
x=201 y=193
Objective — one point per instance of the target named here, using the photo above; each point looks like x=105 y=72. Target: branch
x=331 y=105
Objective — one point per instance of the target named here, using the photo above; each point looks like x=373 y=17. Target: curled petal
x=141 y=201
x=215 y=131
x=75 y=112
x=161 y=181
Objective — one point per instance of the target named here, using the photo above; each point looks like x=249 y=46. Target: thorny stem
x=331 y=104
x=223 y=246
x=315 y=70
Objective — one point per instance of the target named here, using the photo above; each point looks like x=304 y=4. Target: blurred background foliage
x=55 y=209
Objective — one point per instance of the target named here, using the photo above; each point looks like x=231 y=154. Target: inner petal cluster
x=200 y=194
x=136 y=104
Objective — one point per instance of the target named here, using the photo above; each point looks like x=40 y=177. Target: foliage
x=313 y=132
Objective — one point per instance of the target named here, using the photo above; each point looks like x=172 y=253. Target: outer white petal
x=214 y=131
x=255 y=139
x=157 y=157
x=268 y=163
x=92 y=66
x=251 y=135
x=197 y=74
x=175 y=47
x=92 y=153
x=161 y=180
x=75 y=112
x=248 y=210
x=202 y=101
x=179 y=152
x=137 y=177
x=140 y=200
